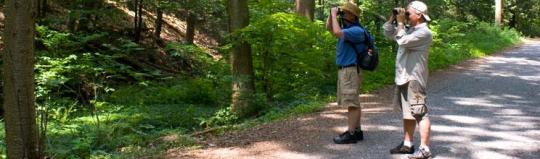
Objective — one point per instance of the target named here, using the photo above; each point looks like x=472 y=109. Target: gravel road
x=482 y=108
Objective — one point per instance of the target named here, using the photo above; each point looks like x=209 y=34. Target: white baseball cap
x=420 y=7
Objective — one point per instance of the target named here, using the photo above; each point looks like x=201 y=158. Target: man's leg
x=348 y=84
x=425 y=131
x=409 y=124
x=408 y=130
x=355 y=114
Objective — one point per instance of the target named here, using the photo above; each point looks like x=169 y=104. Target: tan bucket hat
x=351 y=8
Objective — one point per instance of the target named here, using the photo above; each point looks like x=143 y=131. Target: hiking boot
x=421 y=153
x=348 y=138
x=402 y=149
x=358 y=135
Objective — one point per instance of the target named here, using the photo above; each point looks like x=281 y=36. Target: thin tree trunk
x=18 y=57
x=321 y=10
x=140 y=23
x=138 y=20
x=135 y=21
x=159 y=23
x=41 y=7
x=306 y=8
x=498 y=12
x=191 y=20
x=241 y=60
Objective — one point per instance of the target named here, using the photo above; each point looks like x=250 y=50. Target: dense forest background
x=113 y=77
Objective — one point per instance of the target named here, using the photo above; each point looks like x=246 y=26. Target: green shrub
x=293 y=57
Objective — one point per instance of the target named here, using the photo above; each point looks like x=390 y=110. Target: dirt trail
x=482 y=108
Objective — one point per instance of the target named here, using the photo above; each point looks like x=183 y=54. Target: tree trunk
x=321 y=10
x=241 y=61
x=18 y=57
x=513 y=20
x=306 y=8
x=159 y=22
x=140 y=23
x=498 y=12
x=191 y=19
x=41 y=8
x=138 y=20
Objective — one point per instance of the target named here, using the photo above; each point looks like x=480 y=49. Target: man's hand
x=334 y=11
x=391 y=18
x=401 y=16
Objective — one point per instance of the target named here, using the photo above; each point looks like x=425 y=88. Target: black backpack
x=363 y=59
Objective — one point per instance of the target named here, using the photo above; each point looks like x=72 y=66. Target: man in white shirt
x=411 y=75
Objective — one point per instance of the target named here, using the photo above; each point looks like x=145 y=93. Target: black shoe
x=348 y=138
x=358 y=135
x=402 y=149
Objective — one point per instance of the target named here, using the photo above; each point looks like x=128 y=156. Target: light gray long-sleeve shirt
x=412 y=55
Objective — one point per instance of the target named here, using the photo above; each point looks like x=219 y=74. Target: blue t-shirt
x=345 y=53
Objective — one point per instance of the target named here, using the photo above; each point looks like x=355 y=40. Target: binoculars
x=396 y=11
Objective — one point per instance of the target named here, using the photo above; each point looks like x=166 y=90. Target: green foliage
x=457 y=41
x=180 y=91
x=124 y=130
x=70 y=62
x=261 y=8
x=222 y=117
x=292 y=56
x=83 y=70
x=2 y=140
x=293 y=110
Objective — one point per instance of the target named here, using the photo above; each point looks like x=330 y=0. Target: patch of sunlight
x=512 y=96
x=510 y=112
x=105 y=117
x=261 y=150
x=464 y=119
x=505 y=145
x=450 y=138
x=381 y=127
x=530 y=78
x=474 y=102
x=502 y=127
x=513 y=61
x=334 y=116
x=377 y=109
x=332 y=104
x=520 y=124
x=305 y=119
x=503 y=74
x=490 y=154
x=474 y=131
x=477 y=52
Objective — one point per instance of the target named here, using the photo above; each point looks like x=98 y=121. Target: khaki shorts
x=347 y=87
x=411 y=99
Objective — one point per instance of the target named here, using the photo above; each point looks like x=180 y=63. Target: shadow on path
x=484 y=108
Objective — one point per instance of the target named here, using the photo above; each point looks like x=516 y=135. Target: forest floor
x=481 y=108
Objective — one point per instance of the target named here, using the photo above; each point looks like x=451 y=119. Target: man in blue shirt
x=351 y=35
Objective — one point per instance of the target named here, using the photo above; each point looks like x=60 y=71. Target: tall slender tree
x=18 y=57
x=306 y=8
x=241 y=61
x=138 y=8
x=498 y=12
x=190 y=20
x=159 y=21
